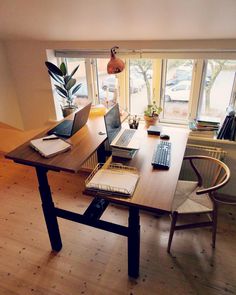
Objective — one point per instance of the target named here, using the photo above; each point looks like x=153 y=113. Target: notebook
x=117 y=136
x=50 y=147
x=69 y=127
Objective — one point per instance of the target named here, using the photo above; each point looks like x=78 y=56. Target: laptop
x=69 y=127
x=117 y=136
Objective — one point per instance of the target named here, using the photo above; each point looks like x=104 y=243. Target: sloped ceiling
x=117 y=19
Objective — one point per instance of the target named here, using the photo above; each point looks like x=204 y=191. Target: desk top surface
x=84 y=143
x=155 y=189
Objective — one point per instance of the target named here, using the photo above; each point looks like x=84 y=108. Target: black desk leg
x=48 y=209
x=133 y=242
x=101 y=153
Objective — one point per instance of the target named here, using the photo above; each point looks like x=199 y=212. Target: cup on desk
x=133 y=122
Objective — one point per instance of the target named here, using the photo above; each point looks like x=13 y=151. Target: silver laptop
x=118 y=136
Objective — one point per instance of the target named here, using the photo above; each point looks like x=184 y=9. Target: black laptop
x=68 y=127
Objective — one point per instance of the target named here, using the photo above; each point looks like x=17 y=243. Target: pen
x=50 y=138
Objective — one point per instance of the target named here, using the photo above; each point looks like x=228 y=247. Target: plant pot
x=150 y=120
x=67 y=110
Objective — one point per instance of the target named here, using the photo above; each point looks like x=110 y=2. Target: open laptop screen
x=112 y=122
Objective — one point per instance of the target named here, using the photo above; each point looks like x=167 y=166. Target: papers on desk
x=114 y=179
x=50 y=146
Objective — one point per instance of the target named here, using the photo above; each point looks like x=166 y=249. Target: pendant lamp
x=115 y=65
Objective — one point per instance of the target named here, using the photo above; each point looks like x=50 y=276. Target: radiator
x=91 y=163
x=206 y=169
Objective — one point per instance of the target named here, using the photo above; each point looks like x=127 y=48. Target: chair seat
x=187 y=201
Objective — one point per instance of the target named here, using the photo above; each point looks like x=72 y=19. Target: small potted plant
x=66 y=86
x=151 y=114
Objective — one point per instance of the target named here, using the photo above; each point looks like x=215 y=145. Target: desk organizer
x=112 y=179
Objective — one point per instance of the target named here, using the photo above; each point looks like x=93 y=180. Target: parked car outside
x=110 y=84
x=83 y=93
x=179 y=92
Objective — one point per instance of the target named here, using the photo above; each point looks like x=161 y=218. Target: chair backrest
x=217 y=180
x=206 y=169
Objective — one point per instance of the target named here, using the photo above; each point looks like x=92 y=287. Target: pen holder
x=133 y=122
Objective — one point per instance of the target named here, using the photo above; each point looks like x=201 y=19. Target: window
x=108 y=88
x=218 y=87
x=184 y=87
x=177 y=89
x=80 y=76
x=140 y=84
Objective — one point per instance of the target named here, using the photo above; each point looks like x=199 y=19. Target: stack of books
x=201 y=128
x=123 y=153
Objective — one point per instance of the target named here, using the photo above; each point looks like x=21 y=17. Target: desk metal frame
x=90 y=217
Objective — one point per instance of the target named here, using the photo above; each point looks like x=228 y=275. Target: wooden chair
x=191 y=197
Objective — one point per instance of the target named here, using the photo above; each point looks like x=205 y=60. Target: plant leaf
x=55 y=77
x=61 y=90
x=61 y=94
x=63 y=68
x=77 y=87
x=53 y=68
x=73 y=72
x=67 y=79
x=70 y=84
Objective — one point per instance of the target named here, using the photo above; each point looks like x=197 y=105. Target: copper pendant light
x=115 y=65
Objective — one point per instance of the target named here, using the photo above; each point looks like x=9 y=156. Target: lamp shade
x=115 y=65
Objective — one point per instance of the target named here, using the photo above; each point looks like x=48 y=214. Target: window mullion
x=91 y=73
x=157 y=81
x=198 y=71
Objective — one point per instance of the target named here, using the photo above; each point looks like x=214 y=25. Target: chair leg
x=214 y=224
x=172 y=229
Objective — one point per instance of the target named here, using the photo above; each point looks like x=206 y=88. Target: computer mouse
x=101 y=133
x=164 y=136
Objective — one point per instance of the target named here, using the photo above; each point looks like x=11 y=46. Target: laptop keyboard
x=125 y=137
x=64 y=128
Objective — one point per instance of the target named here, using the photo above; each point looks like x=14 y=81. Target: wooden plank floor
x=95 y=262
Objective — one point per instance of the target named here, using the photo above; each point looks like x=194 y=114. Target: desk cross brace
x=90 y=217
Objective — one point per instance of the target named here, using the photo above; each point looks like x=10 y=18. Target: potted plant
x=151 y=114
x=66 y=86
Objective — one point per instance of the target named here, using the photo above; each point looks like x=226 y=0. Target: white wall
x=9 y=105
x=26 y=61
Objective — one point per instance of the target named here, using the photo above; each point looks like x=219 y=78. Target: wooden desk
x=154 y=192
x=84 y=143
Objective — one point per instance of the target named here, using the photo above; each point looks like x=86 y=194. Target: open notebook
x=50 y=148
